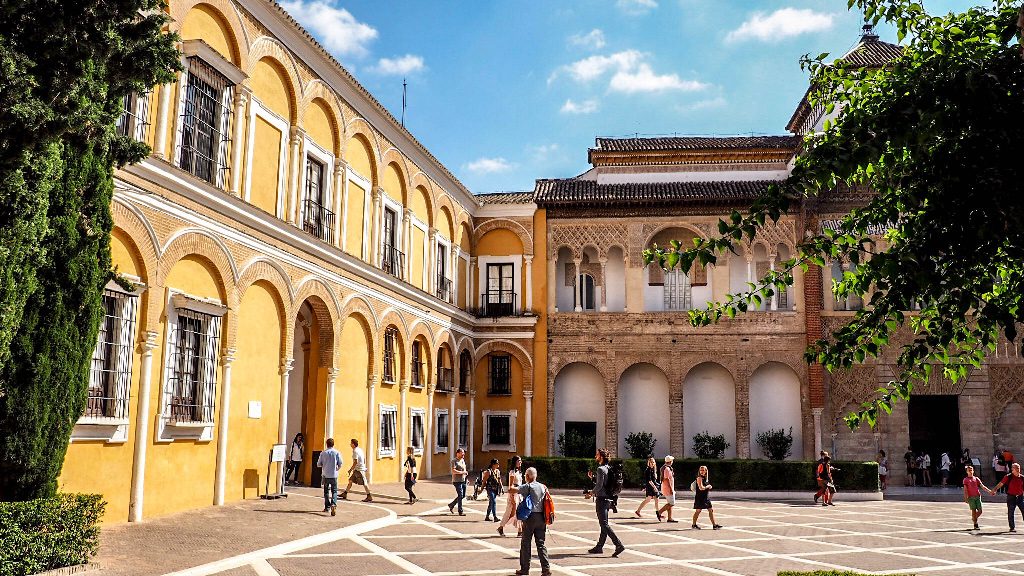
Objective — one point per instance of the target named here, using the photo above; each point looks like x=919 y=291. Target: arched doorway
x=644 y=406
x=579 y=406
x=709 y=405
x=775 y=403
x=307 y=409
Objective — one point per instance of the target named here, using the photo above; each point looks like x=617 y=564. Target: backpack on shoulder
x=549 y=509
x=526 y=508
x=617 y=477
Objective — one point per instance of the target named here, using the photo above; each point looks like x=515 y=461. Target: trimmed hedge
x=48 y=533
x=828 y=573
x=725 y=474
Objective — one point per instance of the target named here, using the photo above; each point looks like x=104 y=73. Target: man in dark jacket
x=602 y=495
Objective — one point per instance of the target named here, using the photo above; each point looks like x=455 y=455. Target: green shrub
x=776 y=444
x=709 y=447
x=640 y=444
x=48 y=533
x=572 y=444
x=730 y=474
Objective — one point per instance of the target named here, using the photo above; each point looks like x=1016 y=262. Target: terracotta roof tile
x=567 y=192
x=505 y=197
x=693 y=143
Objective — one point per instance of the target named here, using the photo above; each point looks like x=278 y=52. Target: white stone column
x=750 y=267
x=282 y=437
x=604 y=284
x=528 y=448
x=294 y=174
x=775 y=295
x=430 y=266
x=225 y=420
x=528 y=269
x=578 y=286
x=371 y=428
x=403 y=413
x=472 y=426
x=339 y=201
x=407 y=244
x=816 y=413
x=456 y=258
x=471 y=284
x=163 y=117
x=142 y=418
x=552 y=283
x=377 y=199
x=428 y=432
x=238 y=120
x=332 y=379
x=453 y=425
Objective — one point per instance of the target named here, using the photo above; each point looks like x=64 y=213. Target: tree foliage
x=710 y=447
x=66 y=68
x=640 y=444
x=776 y=443
x=935 y=137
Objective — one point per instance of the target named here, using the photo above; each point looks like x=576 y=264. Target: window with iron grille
x=205 y=118
x=442 y=431
x=500 y=375
x=416 y=431
x=444 y=373
x=499 y=430
x=316 y=218
x=192 y=367
x=444 y=284
x=134 y=119
x=390 y=342
x=388 y=417
x=417 y=365
x=465 y=372
x=463 y=430
x=392 y=259
x=110 y=376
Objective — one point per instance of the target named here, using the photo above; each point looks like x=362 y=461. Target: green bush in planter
x=776 y=444
x=640 y=444
x=709 y=447
x=48 y=533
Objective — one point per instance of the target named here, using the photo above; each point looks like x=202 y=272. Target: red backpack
x=549 y=509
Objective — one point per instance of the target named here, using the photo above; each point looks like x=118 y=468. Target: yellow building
x=303 y=264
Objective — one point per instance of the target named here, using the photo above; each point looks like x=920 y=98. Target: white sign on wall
x=255 y=409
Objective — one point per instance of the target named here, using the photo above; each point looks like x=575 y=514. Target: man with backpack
x=606 y=487
x=534 y=507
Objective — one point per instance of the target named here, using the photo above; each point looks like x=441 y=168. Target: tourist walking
x=357 y=472
x=515 y=478
x=459 y=474
x=294 y=459
x=702 y=499
x=1014 y=483
x=944 y=465
x=535 y=527
x=604 y=489
x=824 y=476
x=911 y=461
x=972 y=494
x=883 y=470
x=330 y=463
x=410 y=474
x=668 y=489
x=926 y=468
x=492 y=483
x=652 y=488
x=821 y=477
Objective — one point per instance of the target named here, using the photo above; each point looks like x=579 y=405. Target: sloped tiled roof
x=567 y=192
x=871 y=53
x=694 y=143
x=505 y=197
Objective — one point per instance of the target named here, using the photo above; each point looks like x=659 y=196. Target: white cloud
x=543 y=151
x=489 y=166
x=636 y=7
x=593 y=40
x=596 y=66
x=336 y=28
x=781 y=24
x=643 y=79
x=709 y=104
x=399 y=66
x=584 y=107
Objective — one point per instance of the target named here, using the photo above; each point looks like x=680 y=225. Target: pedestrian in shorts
x=668 y=489
x=357 y=472
x=972 y=494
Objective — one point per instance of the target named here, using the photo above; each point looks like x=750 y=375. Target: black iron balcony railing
x=497 y=303
x=445 y=380
x=444 y=289
x=392 y=261
x=318 y=221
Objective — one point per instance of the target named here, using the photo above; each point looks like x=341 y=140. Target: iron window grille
x=463 y=430
x=465 y=365
x=205 y=118
x=110 y=376
x=392 y=260
x=390 y=340
x=417 y=366
x=499 y=430
x=444 y=379
x=678 y=294
x=387 y=431
x=442 y=430
x=416 y=427
x=500 y=376
x=500 y=297
x=193 y=351
x=134 y=119
x=444 y=284
x=316 y=218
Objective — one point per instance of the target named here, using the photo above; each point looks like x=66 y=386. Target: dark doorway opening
x=580 y=439
x=934 y=429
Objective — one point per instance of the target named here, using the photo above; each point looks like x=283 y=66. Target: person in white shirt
x=330 y=462
x=926 y=469
x=357 y=472
x=944 y=465
x=294 y=459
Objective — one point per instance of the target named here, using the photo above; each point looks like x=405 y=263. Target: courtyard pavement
x=291 y=537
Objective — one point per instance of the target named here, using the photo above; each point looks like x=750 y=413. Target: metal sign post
x=277 y=454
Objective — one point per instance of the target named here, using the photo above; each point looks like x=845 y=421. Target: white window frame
x=388 y=204
x=383 y=452
x=413 y=413
x=420 y=225
x=459 y=441
x=437 y=430
x=511 y=446
x=327 y=159
x=366 y=187
x=517 y=282
x=258 y=110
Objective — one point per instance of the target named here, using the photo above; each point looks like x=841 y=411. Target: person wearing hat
x=668 y=488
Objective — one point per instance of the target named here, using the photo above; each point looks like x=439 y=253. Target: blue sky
x=505 y=92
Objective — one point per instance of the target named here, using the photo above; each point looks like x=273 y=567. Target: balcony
x=392 y=261
x=498 y=303
x=318 y=221
x=444 y=290
x=445 y=380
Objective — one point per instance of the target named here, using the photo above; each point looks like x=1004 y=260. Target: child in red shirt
x=972 y=494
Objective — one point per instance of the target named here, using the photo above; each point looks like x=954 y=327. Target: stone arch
x=358 y=129
x=258 y=275
x=576 y=393
x=316 y=90
x=225 y=12
x=201 y=243
x=314 y=286
x=444 y=204
x=643 y=399
x=358 y=304
x=776 y=401
x=323 y=313
x=516 y=350
x=709 y=404
x=135 y=224
x=364 y=316
x=394 y=160
x=262 y=268
x=511 y=225
x=266 y=48
x=391 y=318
